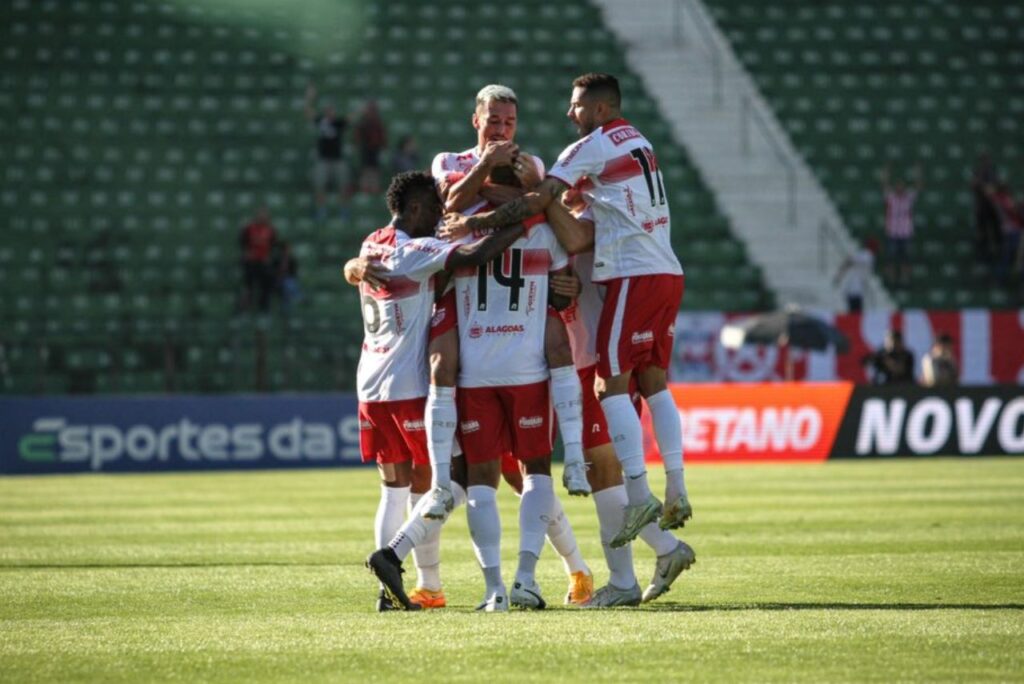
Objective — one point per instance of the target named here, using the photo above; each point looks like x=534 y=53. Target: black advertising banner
x=917 y=421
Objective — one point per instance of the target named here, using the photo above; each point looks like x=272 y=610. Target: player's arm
x=515 y=211
x=560 y=302
x=574 y=234
x=464 y=192
x=486 y=248
x=361 y=269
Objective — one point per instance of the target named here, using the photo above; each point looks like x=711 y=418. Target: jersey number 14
x=512 y=262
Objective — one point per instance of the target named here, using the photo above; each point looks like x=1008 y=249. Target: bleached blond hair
x=495 y=92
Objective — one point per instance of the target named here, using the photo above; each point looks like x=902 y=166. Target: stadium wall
x=786 y=422
x=989 y=346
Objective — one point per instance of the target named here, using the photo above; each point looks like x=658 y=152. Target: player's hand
x=565 y=284
x=363 y=270
x=526 y=171
x=454 y=227
x=499 y=194
x=499 y=153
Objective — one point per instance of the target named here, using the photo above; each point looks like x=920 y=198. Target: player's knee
x=652 y=380
x=514 y=479
x=604 y=471
x=484 y=473
x=420 y=478
x=458 y=471
x=538 y=466
x=618 y=384
x=395 y=474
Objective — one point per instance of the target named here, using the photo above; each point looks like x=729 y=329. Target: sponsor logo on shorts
x=365 y=425
x=475 y=332
x=470 y=425
x=528 y=422
x=672 y=330
x=643 y=337
x=438 y=318
x=413 y=425
x=595 y=428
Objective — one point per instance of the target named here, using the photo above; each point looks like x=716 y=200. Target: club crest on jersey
x=469 y=426
x=528 y=422
x=643 y=337
x=413 y=425
x=475 y=331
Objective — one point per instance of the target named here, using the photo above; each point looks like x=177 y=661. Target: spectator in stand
x=330 y=170
x=371 y=138
x=899 y=223
x=891 y=365
x=286 y=271
x=853 y=274
x=1011 y=224
x=257 y=242
x=938 y=366
x=988 y=236
x=406 y=157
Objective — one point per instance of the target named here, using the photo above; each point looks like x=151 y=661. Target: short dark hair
x=504 y=175
x=604 y=86
x=407 y=185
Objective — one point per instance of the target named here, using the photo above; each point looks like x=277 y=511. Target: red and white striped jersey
x=396 y=317
x=899 y=213
x=502 y=312
x=616 y=170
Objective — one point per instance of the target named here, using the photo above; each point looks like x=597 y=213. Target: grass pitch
x=864 y=571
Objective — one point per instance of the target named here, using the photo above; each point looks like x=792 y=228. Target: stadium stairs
x=771 y=196
x=857 y=86
x=140 y=135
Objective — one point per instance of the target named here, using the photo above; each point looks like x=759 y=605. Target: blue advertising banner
x=156 y=434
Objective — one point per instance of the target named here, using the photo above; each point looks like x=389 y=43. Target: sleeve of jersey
x=423 y=257
x=443 y=169
x=578 y=160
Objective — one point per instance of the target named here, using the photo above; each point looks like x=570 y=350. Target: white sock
x=413 y=531
x=611 y=504
x=628 y=440
x=390 y=514
x=425 y=539
x=562 y=539
x=484 y=525
x=535 y=508
x=440 y=423
x=669 y=433
x=567 y=397
x=459 y=494
x=661 y=541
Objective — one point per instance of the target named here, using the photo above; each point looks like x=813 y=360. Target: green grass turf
x=857 y=571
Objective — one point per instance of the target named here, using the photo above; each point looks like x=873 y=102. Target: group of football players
x=500 y=292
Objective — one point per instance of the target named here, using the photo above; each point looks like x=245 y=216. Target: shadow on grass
x=129 y=566
x=736 y=607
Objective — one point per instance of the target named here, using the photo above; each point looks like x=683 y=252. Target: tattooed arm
x=529 y=204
